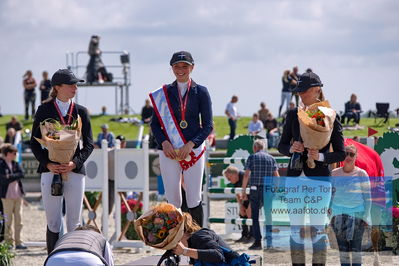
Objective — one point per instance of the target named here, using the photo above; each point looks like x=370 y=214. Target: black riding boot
x=198 y=214
x=51 y=239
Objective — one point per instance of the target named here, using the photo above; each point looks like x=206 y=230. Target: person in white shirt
x=232 y=114
x=255 y=126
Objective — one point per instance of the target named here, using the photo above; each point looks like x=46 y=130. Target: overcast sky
x=239 y=47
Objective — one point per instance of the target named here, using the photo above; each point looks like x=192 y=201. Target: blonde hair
x=230 y=170
x=321 y=96
x=351 y=146
x=52 y=95
x=259 y=144
x=190 y=226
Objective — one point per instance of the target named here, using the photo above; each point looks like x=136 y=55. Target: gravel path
x=35 y=226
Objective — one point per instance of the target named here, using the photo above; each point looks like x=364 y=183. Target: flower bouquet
x=161 y=227
x=60 y=140
x=316 y=124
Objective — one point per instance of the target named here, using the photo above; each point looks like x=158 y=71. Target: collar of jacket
x=172 y=88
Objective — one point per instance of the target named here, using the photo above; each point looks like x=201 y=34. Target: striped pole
x=243 y=221
x=226 y=160
x=229 y=190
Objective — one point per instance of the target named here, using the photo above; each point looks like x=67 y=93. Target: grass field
x=130 y=131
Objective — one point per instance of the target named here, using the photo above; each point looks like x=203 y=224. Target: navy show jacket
x=198 y=114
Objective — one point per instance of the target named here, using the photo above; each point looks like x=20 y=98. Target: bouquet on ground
x=161 y=227
x=60 y=140
x=316 y=124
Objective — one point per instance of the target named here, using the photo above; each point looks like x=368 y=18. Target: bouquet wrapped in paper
x=161 y=227
x=316 y=125
x=60 y=140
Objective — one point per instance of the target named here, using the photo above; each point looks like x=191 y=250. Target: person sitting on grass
x=236 y=177
x=84 y=246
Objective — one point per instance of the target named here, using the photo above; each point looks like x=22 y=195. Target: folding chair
x=382 y=112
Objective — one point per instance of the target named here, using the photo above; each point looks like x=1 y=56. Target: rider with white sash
x=182 y=122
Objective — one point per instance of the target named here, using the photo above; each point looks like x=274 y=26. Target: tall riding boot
x=198 y=214
x=245 y=228
x=51 y=239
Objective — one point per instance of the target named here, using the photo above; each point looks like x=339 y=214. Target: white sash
x=163 y=110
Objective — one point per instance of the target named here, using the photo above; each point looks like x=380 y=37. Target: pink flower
x=159 y=221
x=151 y=238
x=395 y=212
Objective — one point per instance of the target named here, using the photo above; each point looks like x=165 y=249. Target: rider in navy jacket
x=198 y=105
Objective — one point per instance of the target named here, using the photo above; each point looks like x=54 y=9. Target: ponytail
x=52 y=96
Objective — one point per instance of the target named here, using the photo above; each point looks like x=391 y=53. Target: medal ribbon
x=69 y=113
x=183 y=104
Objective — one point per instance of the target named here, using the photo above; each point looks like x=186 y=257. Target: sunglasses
x=351 y=154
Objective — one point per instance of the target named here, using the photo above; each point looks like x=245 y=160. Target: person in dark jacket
x=202 y=244
x=352 y=110
x=309 y=89
x=61 y=107
x=182 y=122
x=12 y=192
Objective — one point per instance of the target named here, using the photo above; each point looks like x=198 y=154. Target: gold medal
x=183 y=124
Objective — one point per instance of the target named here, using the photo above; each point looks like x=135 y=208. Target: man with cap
x=182 y=122
x=60 y=107
x=309 y=89
x=104 y=134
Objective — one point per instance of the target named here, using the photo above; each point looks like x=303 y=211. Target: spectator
x=14 y=123
x=236 y=178
x=29 y=94
x=351 y=204
x=10 y=137
x=255 y=126
x=286 y=91
x=232 y=114
x=12 y=192
x=272 y=133
x=104 y=110
x=352 y=110
x=95 y=70
x=356 y=138
x=146 y=112
x=122 y=140
x=45 y=87
x=85 y=246
x=109 y=136
x=263 y=112
x=259 y=171
x=294 y=81
x=284 y=115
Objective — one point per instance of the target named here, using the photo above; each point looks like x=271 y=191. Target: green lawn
x=221 y=126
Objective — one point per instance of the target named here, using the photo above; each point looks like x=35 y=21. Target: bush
x=6 y=255
x=91 y=197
